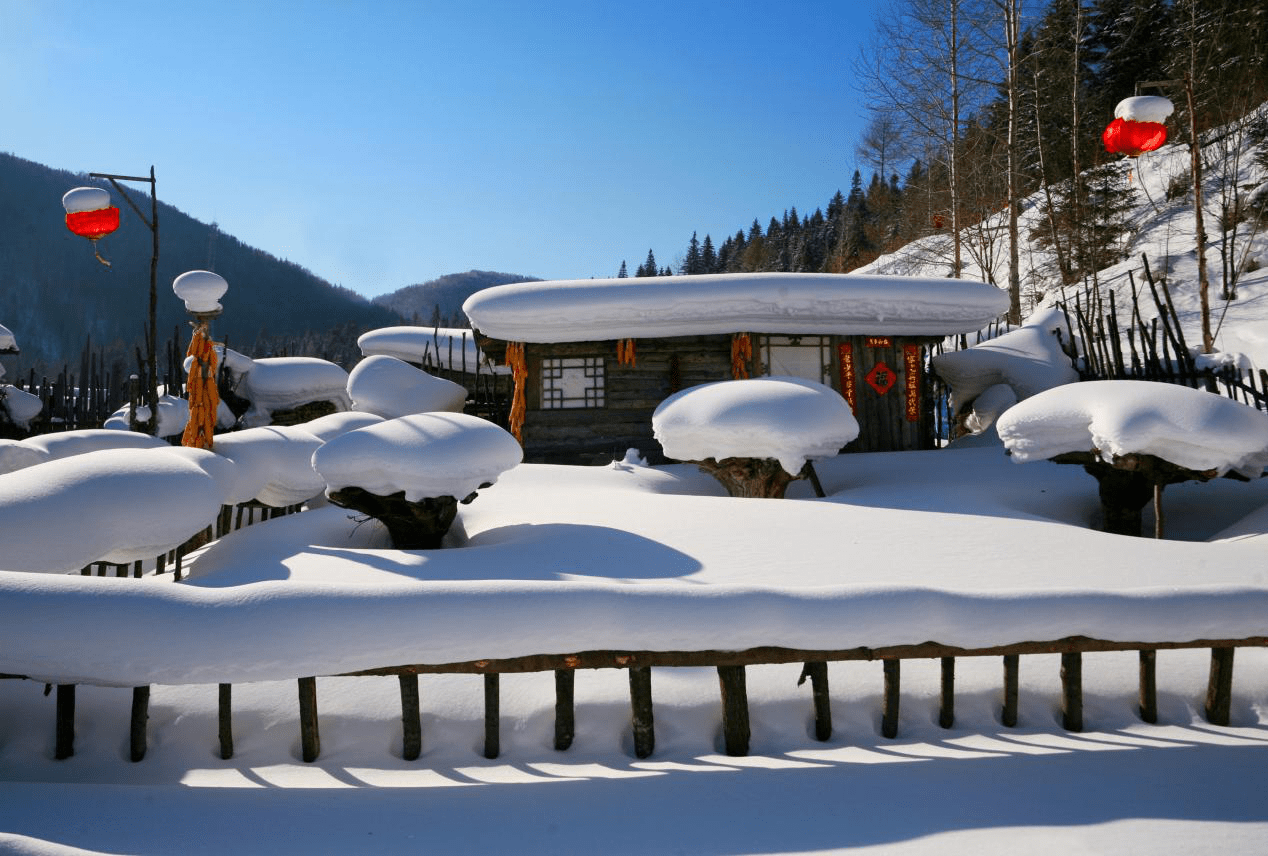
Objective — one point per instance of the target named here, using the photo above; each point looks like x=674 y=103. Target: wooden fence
x=730 y=667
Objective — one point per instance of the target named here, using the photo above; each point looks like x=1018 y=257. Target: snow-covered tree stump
x=755 y=436
x=409 y=472
x=418 y=525
x=1136 y=437
x=1128 y=482
x=761 y=478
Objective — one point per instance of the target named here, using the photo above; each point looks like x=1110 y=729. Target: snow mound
x=111 y=505
x=330 y=426
x=273 y=464
x=8 y=343
x=20 y=406
x=1190 y=428
x=390 y=387
x=16 y=455
x=64 y=444
x=424 y=455
x=283 y=383
x=788 y=419
x=1028 y=359
x=793 y=303
x=173 y=414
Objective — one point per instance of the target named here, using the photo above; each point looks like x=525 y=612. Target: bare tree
x=921 y=67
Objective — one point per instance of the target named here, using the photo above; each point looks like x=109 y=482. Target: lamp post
x=201 y=290
x=87 y=221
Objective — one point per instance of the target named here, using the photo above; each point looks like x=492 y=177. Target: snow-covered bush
x=754 y=435
x=410 y=472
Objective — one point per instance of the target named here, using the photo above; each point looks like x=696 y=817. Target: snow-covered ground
x=961 y=546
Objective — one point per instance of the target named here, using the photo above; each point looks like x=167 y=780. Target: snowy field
x=899 y=528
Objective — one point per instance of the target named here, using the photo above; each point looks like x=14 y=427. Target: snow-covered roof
x=424 y=455
x=8 y=344
x=787 y=303
x=788 y=419
x=1188 y=427
x=452 y=348
x=390 y=387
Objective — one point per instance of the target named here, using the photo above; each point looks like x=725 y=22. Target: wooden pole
x=889 y=708
x=492 y=717
x=1011 y=671
x=140 y=716
x=65 y=722
x=1072 y=691
x=817 y=671
x=1219 y=690
x=565 y=712
x=226 y=721
x=641 y=717
x=735 y=722
x=309 y=736
x=411 y=718
x=1149 y=686
x=946 y=708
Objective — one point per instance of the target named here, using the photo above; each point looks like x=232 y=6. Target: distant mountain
x=440 y=300
x=54 y=294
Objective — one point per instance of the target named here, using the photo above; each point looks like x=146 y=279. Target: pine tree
x=691 y=264
x=648 y=268
x=708 y=257
x=622 y=273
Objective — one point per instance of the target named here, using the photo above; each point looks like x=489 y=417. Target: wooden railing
x=730 y=666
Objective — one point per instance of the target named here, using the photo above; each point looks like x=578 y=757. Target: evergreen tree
x=648 y=268
x=691 y=264
x=708 y=257
x=622 y=273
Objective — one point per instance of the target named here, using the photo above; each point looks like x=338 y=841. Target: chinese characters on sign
x=911 y=370
x=846 y=353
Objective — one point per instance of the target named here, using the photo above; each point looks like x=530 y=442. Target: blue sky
x=385 y=143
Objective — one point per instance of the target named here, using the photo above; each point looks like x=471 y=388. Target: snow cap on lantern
x=89 y=213
x=1138 y=125
x=201 y=290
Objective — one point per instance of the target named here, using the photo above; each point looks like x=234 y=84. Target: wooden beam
x=1149 y=686
x=817 y=672
x=1219 y=690
x=140 y=716
x=946 y=706
x=1012 y=669
x=1072 y=691
x=889 y=704
x=492 y=717
x=309 y=735
x=735 y=722
x=65 y=747
x=641 y=719
x=411 y=718
x=225 y=717
x=610 y=659
x=565 y=712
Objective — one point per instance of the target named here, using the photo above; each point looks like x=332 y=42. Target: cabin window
x=572 y=382
x=807 y=357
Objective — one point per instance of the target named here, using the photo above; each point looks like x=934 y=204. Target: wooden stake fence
x=730 y=666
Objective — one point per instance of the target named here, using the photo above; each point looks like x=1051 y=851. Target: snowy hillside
x=1161 y=227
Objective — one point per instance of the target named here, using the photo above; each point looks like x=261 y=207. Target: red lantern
x=1138 y=125
x=90 y=215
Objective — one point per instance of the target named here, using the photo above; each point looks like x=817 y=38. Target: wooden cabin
x=592 y=359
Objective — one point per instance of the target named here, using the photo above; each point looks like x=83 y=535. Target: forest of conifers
x=976 y=104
